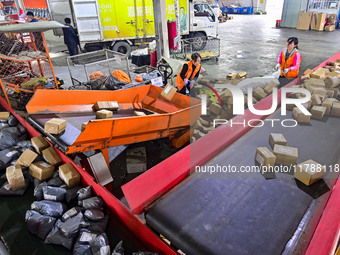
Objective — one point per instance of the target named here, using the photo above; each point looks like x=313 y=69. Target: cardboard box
x=336 y=92
x=309 y=172
x=332 y=82
x=15 y=177
x=321 y=21
x=304 y=21
x=215 y=109
x=27 y=157
x=106 y=105
x=330 y=93
x=139 y=113
x=314 y=20
x=276 y=138
x=319 y=73
x=168 y=92
x=299 y=116
x=285 y=155
x=83 y=125
x=333 y=74
x=318 y=112
x=265 y=157
x=328 y=104
x=41 y=170
x=55 y=126
x=259 y=94
x=315 y=82
x=69 y=175
x=230 y=76
x=335 y=109
x=4 y=115
x=330 y=28
x=269 y=88
x=319 y=91
x=316 y=99
x=51 y=156
x=39 y=143
x=241 y=75
x=104 y=114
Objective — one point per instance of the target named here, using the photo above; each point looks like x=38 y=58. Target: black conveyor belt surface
x=242 y=213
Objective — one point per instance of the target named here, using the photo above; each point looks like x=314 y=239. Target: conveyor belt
x=242 y=213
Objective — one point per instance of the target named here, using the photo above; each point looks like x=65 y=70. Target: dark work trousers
x=284 y=81
x=184 y=90
x=72 y=49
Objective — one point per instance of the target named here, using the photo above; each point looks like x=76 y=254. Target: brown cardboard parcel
x=276 y=138
x=314 y=20
x=41 y=170
x=106 y=105
x=304 y=20
x=285 y=155
x=104 y=114
x=335 y=109
x=265 y=157
x=299 y=116
x=318 y=112
x=168 y=92
x=51 y=156
x=15 y=177
x=4 y=115
x=321 y=21
x=55 y=126
x=39 y=143
x=309 y=172
x=27 y=157
x=69 y=175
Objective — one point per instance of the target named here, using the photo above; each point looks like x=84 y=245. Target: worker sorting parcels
x=289 y=60
x=188 y=74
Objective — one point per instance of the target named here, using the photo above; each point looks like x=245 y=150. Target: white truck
x=119 y=24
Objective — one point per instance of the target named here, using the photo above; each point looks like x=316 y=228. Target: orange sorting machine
x=163 y=118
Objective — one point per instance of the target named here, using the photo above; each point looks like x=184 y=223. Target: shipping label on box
x=41 y=170
x=51 y=156
x=265 y=157
x=104 y=114
x=285 y=155
x=39 y=143
x=69 y=175
x=55 y=126
x=27 y=157
x=168 y=92
x=15 y=177
x=318 y=112
x=299 y=116
x=309 y=172
x=276 y=138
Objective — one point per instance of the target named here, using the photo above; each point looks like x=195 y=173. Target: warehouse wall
x=290 y=13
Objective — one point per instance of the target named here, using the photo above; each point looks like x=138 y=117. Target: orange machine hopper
x=163 y=119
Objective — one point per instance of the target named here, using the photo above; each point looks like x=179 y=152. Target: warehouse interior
x=101 y=152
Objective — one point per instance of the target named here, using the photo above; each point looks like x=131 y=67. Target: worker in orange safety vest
x=188 y=74
x=289 y=60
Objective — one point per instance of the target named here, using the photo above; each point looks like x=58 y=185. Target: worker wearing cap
x=289 y=59
x=30 y=17
x=188 y=74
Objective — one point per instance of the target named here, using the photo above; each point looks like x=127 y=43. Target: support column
x=161 y=28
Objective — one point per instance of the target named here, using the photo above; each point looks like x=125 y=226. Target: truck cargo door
x=88 y=20
x=59 y=10
x=145 y=20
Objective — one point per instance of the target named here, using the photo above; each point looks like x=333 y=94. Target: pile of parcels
x=316 y=21
x=225 y=112
x=308 y=172
x=64 y=213
x=323 y=84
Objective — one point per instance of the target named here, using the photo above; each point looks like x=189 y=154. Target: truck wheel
x=122 y=47
x=199 y=41
x=92 y=47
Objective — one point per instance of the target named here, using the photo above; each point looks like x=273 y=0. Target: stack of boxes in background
x=316 y=21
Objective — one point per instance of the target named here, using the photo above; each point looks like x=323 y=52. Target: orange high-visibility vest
x=289 y=63
x=180 y=81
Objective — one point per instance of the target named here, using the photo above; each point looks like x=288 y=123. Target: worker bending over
x=289 y=60
x=188 y=74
